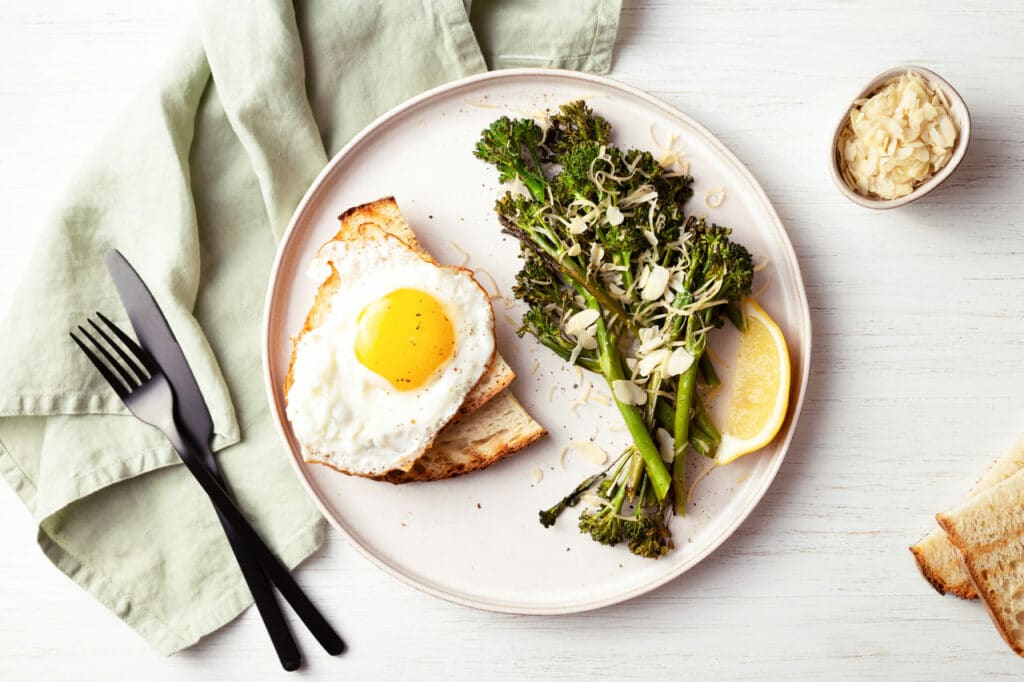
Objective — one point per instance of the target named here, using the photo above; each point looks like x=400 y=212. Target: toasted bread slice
x=939 y=561
x=490 y=424
x=988 y=531
x=941 y=565
x=496 y=430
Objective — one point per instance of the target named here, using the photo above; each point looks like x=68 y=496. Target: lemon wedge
x=760 y=394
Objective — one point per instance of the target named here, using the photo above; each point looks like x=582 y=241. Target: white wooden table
x=916 y=378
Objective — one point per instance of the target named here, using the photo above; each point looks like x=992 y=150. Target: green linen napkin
x=195 y=185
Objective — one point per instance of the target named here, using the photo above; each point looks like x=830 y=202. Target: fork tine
x=144 y=357
x=142 y=376
x=131 y=382
x=111 y=379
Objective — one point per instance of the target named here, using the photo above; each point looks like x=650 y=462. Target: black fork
x=142 y=387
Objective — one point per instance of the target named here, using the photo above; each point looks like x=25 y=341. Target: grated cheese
x=495 y=292
x=628 y=393
x=536 y=364
x=762 y=288
x=679 y=361
x=585 y=393
x=669 y=156
x=480 y=104
x=657 y=282
x=517 y=187
x=590 y=451
x=650 y=339
x=666 y=445
x=537 y=475
x=596 y=256
x=652 y=361
x=582 y=399
x=896 y=139
x=715 y=197
x=580 y=321
x=462 y=252
x=700 y=477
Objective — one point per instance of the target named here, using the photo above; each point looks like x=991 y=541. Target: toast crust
x=451 y=455
x=941 y=566
x=489 y=425
x=940 y=561
x=983 y=580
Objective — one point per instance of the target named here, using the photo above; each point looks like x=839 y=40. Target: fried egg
x=399 y=345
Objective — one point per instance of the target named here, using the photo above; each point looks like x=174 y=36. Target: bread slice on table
x=938 y=559
x=490 y=425
x=988 y=531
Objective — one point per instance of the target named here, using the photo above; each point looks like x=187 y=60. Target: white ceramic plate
x=476 y=540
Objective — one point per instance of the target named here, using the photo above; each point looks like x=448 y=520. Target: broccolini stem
x=611 y=367
x=704 y=423
x=642 y=493
x=549 y=516
x=598 y=293
x=650 y=419
x=533 y=177
x=707 y=371
x=619 y=499
x=578 y=278
x=535 y=186
x=701 y=443
x=623 y=258
x=636 y=472
x=665 y=415
x=681 y=436
x=561 y=351
x=735 y=315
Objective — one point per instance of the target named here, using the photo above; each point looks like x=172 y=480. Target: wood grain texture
x=916 y=378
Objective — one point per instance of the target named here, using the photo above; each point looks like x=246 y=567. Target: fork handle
x=257 y=581
x=234 y=522
x=263 y=596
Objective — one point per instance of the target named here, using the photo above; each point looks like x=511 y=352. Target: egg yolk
x=404 y=337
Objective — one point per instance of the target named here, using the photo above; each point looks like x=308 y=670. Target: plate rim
x=275 y=401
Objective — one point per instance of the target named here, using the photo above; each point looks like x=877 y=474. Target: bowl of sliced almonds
x=901 y=137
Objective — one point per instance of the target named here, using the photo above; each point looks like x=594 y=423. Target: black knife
x=155 y=335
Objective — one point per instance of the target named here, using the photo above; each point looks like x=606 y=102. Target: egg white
x=347 y=416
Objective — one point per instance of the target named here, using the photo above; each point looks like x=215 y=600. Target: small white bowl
x=961 y=118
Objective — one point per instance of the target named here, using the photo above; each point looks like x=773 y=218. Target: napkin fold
x=195 y=184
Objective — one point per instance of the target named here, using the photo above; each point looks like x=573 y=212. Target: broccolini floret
x=606 y=239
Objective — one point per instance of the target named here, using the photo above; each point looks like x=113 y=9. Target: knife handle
x=235 y=523
x=257 y=581
x=263 y=596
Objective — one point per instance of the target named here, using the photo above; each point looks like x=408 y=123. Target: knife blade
x=156 y=337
